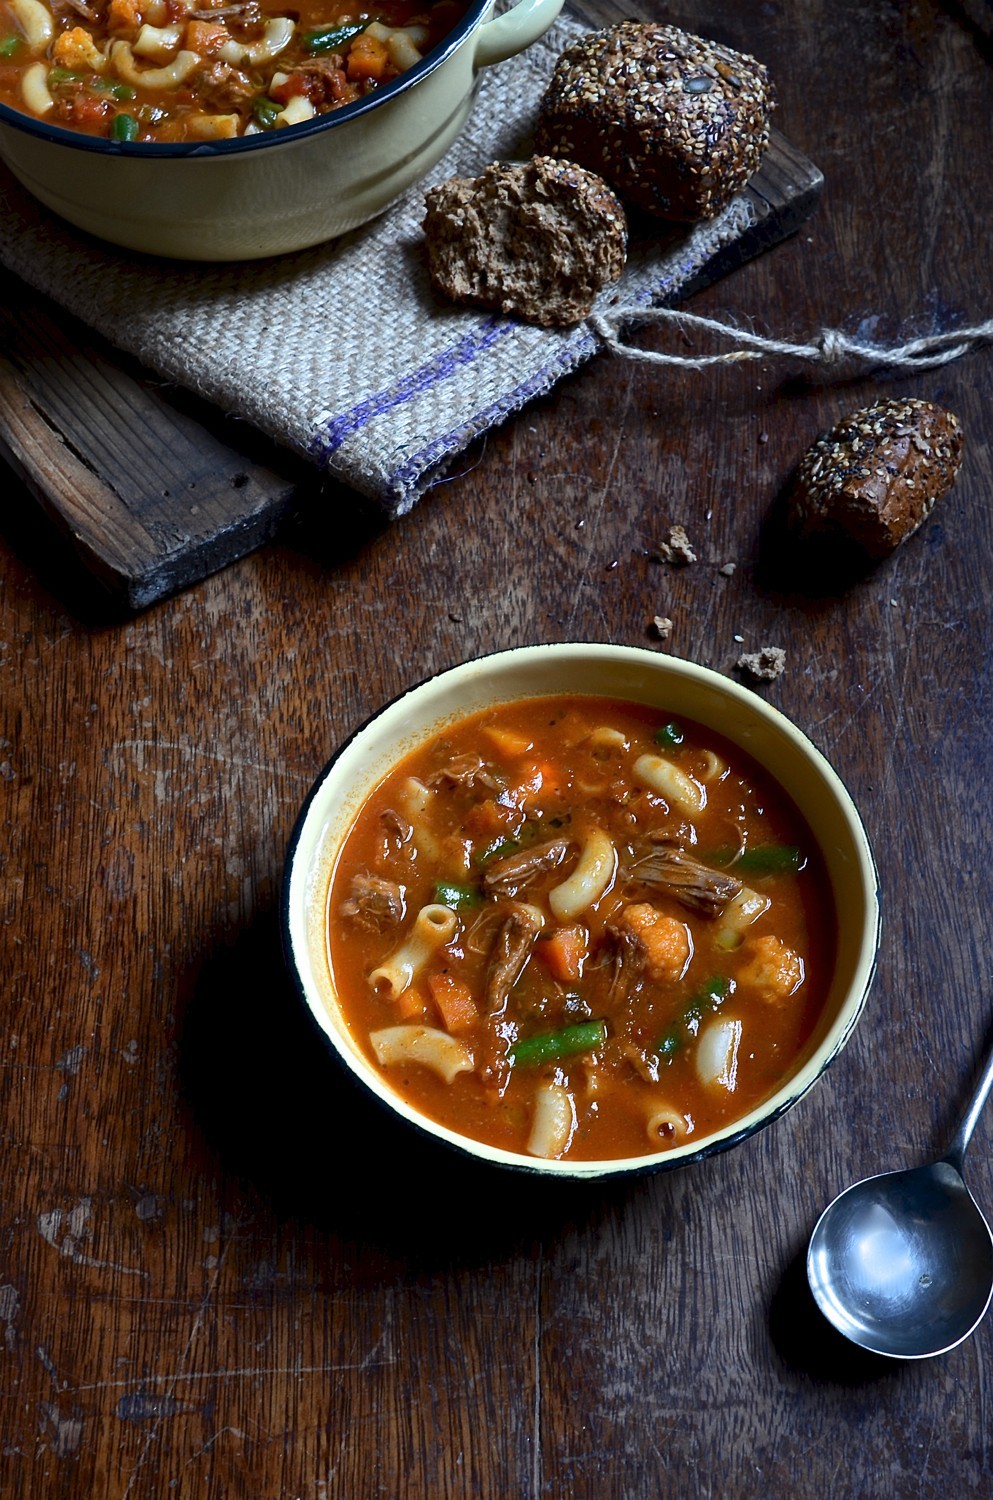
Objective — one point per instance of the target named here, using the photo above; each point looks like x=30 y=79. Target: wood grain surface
x=221 y=1274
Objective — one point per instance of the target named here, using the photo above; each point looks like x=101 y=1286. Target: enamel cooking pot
x=280 y=190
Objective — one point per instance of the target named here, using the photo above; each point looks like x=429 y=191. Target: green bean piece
x=458 y=897
x=552 y=1046
x=762 y=859
x=9 y=45
x=120 y=91
x=332 y=38
x=772 y=859
x=669 y=1045
x=669 y=736
x=265 y=111
x=124 y=128
x=708 y=997
x=499 y=849
x=57 y=76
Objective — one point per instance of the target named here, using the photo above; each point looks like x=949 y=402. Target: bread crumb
x=764 y=664
x=676 y=549
x=727 y=569
x=663 y=627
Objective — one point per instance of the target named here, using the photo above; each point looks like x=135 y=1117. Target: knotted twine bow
x=830 y=347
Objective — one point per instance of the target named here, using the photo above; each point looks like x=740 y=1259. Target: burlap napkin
x=343 y=353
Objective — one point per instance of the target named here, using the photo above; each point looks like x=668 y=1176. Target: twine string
x=830 y=347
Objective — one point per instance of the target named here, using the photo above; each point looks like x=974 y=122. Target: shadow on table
x=276 y=1111
x=807 y=1344
x=815 y=568
x=825 y=565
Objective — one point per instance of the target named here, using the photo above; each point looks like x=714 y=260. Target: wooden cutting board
x=153 y=489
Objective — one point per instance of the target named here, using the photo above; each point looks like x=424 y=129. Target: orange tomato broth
x=85 y=65
x=559 y=768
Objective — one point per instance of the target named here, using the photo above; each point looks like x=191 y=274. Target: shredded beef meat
x=507 y=876
x=248 y=14
x=397 y=825
x=222 y=88
x=324 y=82
x=510 y=952
x=467 y=770
x=685 y=878
x=374 y=901
x=625 y=956
x=71 y=8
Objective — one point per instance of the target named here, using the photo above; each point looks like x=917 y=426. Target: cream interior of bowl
x=665 y=682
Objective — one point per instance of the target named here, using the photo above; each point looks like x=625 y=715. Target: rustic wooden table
x=220 y=1276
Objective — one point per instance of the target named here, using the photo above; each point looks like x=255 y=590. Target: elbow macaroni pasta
x=589 y=880
x=395 y=1046
x=553 y=1121
x=434 y=927
x=661 y=776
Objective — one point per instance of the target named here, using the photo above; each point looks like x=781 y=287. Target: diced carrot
x=291 y=87
x=206 y=37
x=411 y=1004
x=490 y=819
x=454 y=1001
x=545 y=784
x=564 y=952
x=367 y=58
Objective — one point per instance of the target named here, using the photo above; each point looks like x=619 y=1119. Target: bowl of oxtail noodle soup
x=582 y=910
x=228 y=132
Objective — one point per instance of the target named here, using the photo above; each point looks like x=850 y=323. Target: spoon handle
x=955 y=1155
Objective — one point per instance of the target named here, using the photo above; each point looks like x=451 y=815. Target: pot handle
x=514 y=30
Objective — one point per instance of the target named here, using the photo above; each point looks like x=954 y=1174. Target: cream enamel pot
x=275 y=192
x=680 y=688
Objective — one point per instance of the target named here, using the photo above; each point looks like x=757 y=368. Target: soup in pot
x=200 y=70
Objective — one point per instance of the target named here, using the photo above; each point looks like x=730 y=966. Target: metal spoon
x=902 y=1264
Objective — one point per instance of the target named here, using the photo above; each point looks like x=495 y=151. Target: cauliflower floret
x=75 y=49
x=124 y=18
x=772 y=971
x=664 y=941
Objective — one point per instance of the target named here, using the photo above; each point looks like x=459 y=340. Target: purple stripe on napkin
x=440 y=367
x=447 y=443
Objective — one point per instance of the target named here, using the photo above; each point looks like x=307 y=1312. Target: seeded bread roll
x=876 y=476
x=539 y=238
x=676 y=125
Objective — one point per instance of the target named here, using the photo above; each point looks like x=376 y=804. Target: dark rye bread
x=538 y=238
x=675 y=124
x=877 y=475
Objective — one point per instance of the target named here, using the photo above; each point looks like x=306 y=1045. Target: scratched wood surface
x=220 y=1275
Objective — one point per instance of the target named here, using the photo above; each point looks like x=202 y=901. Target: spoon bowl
x=902 y=1264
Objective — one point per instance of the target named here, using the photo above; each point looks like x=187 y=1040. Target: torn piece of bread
x=539 y=239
